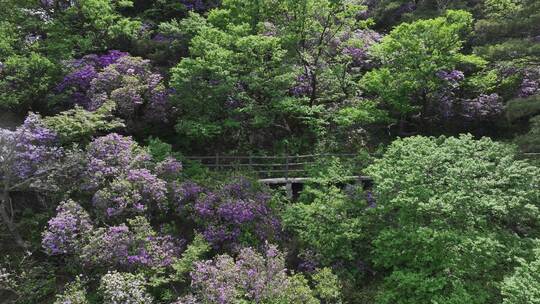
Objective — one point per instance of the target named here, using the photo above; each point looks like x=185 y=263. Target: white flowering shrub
x=123 y=288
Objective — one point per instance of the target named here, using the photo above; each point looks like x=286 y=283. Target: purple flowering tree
x=482 y=108
x=530 y=85
x=447 y=93
x=124 y=180
x=30 y=160
x=251 y=277
x=82 y=71
x=130 y=82
x=68 y=231
x=231 y=215
x=110 y=156
x=72 y=233
x=126 y=247
x=135 y=89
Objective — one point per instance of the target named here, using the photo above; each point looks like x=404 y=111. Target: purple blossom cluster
x=302 y=86
x=483 y=107
x=530 y=84
x=68 y=231
x=356 y=45
x=169 y=167
x=234 y=213
x=71 y=232
x=250 y=277
x=107 y=246
x=133 y=193
x=128 y=81
x=83 y=71
x=134 y=87
x=111 y=156
x=122 y=247
x=185 y=194
x=308 y=261
x=237 y=212
x=34 y=146
x=446 y=94
x=124 y=180
x=452 y=76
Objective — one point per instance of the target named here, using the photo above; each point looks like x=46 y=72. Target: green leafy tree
x=412 y=54
x=86 y=26
x=523 y=286
x=25 y=80
x=330 y=225
x=263 y=70
x=451 y=215
x=232 y=84
x=507 y=30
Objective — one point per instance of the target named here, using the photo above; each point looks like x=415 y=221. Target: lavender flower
x=125 y=248
x=530 y=84
x=34 y=146
x=235 y=212
x=169 y=167
x=302 y=86
x=452 y=76
x=483 y=107
x=111 y=156
x=251 y=277
x=131 y=194
x=68 y=231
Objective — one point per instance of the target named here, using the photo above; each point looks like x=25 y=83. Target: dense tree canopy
x=269 y=151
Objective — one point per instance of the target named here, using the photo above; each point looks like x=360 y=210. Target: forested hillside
x=413 y=126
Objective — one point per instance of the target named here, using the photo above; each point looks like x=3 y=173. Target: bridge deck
x=302 y=180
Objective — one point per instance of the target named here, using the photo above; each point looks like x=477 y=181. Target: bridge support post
x=289 y=188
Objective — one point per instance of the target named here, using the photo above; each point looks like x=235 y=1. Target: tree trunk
x=8 y=221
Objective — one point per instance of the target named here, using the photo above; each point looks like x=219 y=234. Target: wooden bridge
x=268 y=167
x=287 y=170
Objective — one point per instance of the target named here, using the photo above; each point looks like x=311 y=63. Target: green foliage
x=79 y=125
x=530 y=142
x=296 y=292
x=231 y=84
x=330 y=224
x=412 y=54
x=327 y=286
x=89 y=26
x=523 y=286
x=27 y=278
x=522 y=108
x=453 y=214
x=195 y=251
x=74 y=293
x=159 y=149
x=506 y=31
x=25 y=80
x=260 y=69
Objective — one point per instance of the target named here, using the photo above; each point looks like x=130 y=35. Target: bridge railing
x=267 y=166
x=282 y=165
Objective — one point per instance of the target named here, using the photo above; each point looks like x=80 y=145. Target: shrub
x=250 y=277
x=123 y=288
x=451 y=215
